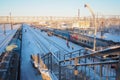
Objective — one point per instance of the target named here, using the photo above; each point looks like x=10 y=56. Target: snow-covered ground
x=61 y=42
x=107 y=36
x=2 y=36
x=115 y=38
x=34 y=41
x=28 y=47
x=7 y=30
x=6 y=38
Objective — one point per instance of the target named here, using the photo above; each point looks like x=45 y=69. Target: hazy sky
x=58 y=7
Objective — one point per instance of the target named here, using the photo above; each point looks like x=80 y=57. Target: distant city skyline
x=58 y=7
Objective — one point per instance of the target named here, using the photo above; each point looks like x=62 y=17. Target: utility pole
x=102 y=31
x=11 y=21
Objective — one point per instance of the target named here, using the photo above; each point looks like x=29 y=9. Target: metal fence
x=80 y=65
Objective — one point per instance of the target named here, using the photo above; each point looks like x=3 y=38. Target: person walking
x=67 y=44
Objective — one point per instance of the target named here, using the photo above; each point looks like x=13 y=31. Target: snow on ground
x=107 y=36
x=6 y=38
x=7 y=30
x=115 y=38
x=33 y=39
x=61 y=42
x=28 y=47
x=31 y=45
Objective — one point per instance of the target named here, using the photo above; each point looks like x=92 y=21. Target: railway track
x=6 y=41
x=60 y=50
x=84 y=68
x=45 y=50
x=9 y=60
x=54 y=44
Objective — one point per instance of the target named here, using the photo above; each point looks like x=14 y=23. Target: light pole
x=94 y=19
